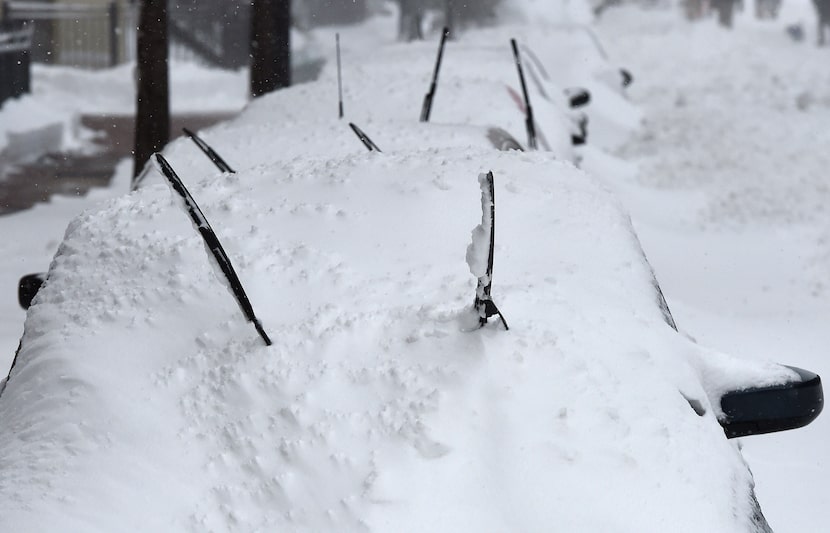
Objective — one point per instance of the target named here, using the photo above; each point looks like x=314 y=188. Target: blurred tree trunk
x=270 y=45
x=449 y=17
x=152 y=120
x=412 y=15
x=725 y=9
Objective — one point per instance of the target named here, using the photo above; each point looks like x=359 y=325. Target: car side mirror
x=28 y=287
x=626 y=77
x=578 y=97
x=762 y=410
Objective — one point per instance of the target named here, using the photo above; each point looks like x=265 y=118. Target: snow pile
x=140 y=386
x=142 y=396
x=541 y=11
x=61 y=95
x=726 y=186
x=112 y=91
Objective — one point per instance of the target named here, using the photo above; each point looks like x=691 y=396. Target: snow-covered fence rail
x=15 y=75
x=81 y=35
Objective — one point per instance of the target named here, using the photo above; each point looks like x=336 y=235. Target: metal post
x=115 y=31
x=449 y=16
x=25 y=68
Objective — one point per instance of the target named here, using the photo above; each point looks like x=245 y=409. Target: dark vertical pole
x=270 y=46
x=25 y=63
x=339 y=79
x=152 y=121
x=115 y=31
x=449 y=16
x=6 y=73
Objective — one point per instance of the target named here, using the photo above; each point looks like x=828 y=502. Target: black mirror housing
x=27 y=288
x=626 y=77
x=762 y=410
x=578 y=97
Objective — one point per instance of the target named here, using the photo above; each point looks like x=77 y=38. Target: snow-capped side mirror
x=762 y=410
x=578 y=97
x=28 y=287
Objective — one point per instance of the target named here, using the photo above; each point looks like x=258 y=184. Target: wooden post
x=152 y=121
x=270 y=46
x=114 y=32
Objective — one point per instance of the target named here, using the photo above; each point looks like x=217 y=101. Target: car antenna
x=339 y=79
x=531 y=129
x=210 y=152
x=426 y=108
x=212 y=243
x=484 y=305
x=367 y=142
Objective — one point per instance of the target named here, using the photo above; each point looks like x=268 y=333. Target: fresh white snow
x=726 y=181
x=377 y=408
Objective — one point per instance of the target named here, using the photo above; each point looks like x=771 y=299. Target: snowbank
x=141 y=387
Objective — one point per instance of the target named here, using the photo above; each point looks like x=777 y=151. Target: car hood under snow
x=142 y=400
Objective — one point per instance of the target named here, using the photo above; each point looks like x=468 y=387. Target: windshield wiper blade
x=367 y=142
x=212 y=243
x=210 y=152
x=426 y=108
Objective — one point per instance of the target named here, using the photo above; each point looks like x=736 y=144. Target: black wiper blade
x=483 y=303
x=367 y=142
x=529 y=124
x=212 y=243
x=426 y=108
x=210 y=152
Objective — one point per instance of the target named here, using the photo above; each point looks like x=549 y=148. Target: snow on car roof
x=142 y=397
x=478 y=85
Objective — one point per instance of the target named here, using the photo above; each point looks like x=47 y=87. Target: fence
x=97 y=35
x=104 y=34
x=82 y=35
x=15 y=43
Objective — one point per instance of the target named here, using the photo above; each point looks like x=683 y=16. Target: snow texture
x=141 y=396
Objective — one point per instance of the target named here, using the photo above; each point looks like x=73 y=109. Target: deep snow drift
x=726 y=181
x=379 y=406
x=560 y=409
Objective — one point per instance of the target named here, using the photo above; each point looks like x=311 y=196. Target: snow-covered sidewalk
x=728 y=190
x=61 y=95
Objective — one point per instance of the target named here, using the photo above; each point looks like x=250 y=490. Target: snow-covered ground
x=728 y=187
x=725 y=181
x=60 y=95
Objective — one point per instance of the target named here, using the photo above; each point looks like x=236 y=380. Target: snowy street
x=729 y=197
x=727 y=182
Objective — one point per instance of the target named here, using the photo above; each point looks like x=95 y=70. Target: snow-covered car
x=141 y=395
x=380 y=389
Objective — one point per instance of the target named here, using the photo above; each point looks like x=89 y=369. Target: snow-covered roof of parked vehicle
x=379 y=405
